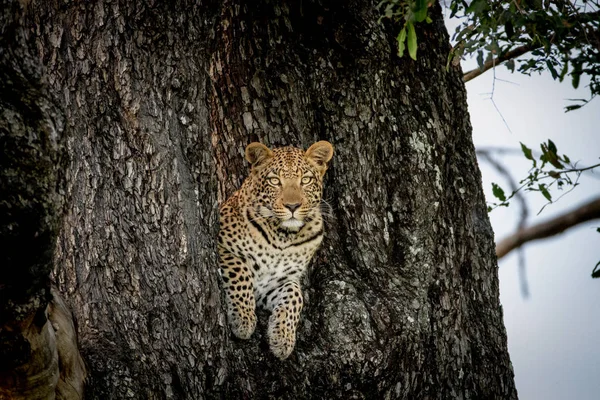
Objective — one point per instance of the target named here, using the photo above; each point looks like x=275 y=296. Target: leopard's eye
x=274 y=181
x=307 y=179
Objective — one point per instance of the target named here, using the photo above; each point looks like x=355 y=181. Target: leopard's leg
x=238 y=283
x=286 y=304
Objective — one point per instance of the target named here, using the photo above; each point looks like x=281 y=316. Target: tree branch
x=586 y=212
x=518 y=52
x=523 y=215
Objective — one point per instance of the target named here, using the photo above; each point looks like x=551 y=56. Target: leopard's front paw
x=282 y=334
x=243 y=324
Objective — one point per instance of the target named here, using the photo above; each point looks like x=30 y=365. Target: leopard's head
x=287 y=183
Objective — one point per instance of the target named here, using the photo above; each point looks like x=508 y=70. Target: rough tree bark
x=38 y=350
x=160 y=100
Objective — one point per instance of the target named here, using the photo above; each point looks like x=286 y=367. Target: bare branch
x=586 y=212
x=518 y=52
x=501 y=169
x=500 y=150
x=583 y=169
x=523 y=215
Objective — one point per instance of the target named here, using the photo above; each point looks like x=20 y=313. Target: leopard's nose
x=292 y=207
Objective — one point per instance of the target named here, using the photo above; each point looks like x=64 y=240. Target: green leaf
x=510 y=64
x=596 y=271
x=553 y=159
x=554 y=174
x=526 y=152
x=453 y=9
x=564 y=71
x=498 y=192
x=412 y=41
x=576 y=77
x=401 y=39
x=477 y=6
x=549 y=154
x=420 y=10
x=545 y=192
x=544 y=156
x=480 y=59
x=552 y=70
x=566 y=159
x=552 y=156
x=428 y=19
x=576 y=74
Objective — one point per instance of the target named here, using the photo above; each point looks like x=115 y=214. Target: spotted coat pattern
x=269 y=231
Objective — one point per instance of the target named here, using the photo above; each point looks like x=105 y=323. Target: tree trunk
x=38 y=350
x=160 y=100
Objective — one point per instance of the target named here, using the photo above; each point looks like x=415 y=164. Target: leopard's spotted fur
x=269 y=230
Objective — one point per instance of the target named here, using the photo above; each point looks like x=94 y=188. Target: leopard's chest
x=271 y=266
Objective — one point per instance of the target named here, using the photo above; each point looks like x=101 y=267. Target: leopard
x=269 y=231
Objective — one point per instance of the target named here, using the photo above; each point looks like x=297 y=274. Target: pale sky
x=552 y=335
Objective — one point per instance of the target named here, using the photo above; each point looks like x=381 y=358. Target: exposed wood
x=72 y=371
x=32 y=168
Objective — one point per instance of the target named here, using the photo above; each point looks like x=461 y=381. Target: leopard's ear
x=257 y=154
x=320 y=153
